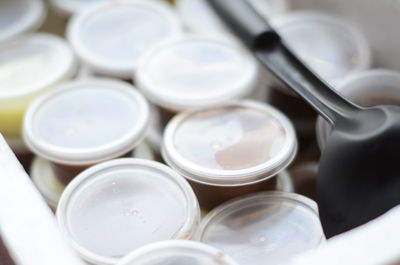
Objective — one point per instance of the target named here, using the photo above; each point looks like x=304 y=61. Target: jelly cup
x=263 y=228
x=110 y=37
x=177 y=252
x=86 y=122
x=368 y=88
x=195 y=71
x=20 y=16
x=229 y=150
x=330 y=45
x=118 y=206
x=30 y=66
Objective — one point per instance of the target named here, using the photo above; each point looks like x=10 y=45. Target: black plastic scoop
x=359 y=176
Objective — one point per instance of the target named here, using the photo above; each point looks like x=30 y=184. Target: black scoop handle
x=257 y=34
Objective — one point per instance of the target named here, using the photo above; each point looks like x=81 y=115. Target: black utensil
x=359 y=176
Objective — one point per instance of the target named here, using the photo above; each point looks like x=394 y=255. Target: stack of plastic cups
x=230 y=150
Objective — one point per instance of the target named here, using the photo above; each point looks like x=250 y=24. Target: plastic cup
x=367 y=89
x=118 y=206
x=111 y=37
x=329 y=45
x=86 y=122
x=264 y=228
x=20 y=16
x=195 y=71
x=230 y=150
x=30 y=66
x=46 y=182
x=177 y=252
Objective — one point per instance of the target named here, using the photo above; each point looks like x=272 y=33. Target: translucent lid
x=20 y=16
x=86 y=122
x=331 y=46
x=368 y=88
x=111 y=37
x=235 y=144
x=32 y=63
x=46 y=182
x=264 y=228
x=196 y=71
x=177 y=252
x=118 y=206
x=198 y=16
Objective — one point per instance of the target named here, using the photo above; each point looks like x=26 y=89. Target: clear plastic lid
x=46 y=182
x=118 y=206
x=198 y=16
x=86 y=121
x=367 y=89
x=110 y=37
x=20 y=16
x=32 y=63
x=195 y=71
x=231 y=145
x=264 y=228
x=331 y=46
x=177 y=252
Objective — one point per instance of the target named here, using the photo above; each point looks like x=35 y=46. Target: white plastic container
x=177 y=252
x=86 y=122
x=329 y=45
x=264 y=228
x=110 y=37
x=196 y=71
x=230 y=150
x=20 y=16
x=30 y=66
x=369 y=88
x=118 y=206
